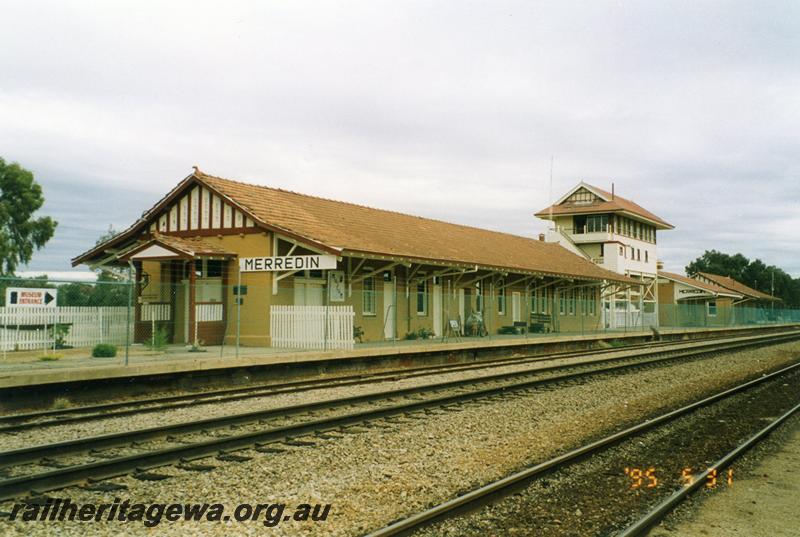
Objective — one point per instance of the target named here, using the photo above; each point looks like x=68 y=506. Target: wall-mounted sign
x=336 y=286
x=23 y=296
x=289 y=262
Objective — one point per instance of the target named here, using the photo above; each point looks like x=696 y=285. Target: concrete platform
x=28 y=374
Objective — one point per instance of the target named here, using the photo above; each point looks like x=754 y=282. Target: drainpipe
x=131 y=283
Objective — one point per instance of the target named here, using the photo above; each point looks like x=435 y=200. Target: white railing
x=634 y=320
x=208 y=312
x=311 y=327
x=32 y=328
x=156 y=311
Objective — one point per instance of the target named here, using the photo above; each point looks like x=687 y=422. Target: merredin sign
x=289 y=262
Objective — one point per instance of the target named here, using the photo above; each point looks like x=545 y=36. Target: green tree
x=755 y=274
x=20 y=232
x=108 y=290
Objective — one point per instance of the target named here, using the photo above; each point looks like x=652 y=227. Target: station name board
x=289 y=262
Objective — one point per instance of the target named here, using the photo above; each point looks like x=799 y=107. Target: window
x=712 y=308
x=646 y=257
x=209 y=280
x=422 y=297
x=602 y=249
x=572 y=302
x=534 y=301
x=592 y=301
x=562 y=303
x=596 y=223
x=368 y=296
x=638 y=255
x=621 y=250
x=501 y=299
x=214 y=268
x=543 y=301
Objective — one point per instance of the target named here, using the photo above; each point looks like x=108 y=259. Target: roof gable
x=604 y=202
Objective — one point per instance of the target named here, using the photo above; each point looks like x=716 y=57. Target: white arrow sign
x=26 y=296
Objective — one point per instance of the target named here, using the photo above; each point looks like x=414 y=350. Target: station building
x=618 y=235
x=219 y=261
x=706 y=299
x=688 y=301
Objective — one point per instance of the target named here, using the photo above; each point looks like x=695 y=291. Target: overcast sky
x=443 y=109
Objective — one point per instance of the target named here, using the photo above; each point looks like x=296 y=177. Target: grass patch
x=49 y=357
x=60 y=403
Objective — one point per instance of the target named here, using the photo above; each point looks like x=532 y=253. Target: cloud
x=449 y=110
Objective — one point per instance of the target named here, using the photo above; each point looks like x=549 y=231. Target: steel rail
x=652 y=517
x=104 y=469
x=18 y=422
x=342 y=380
x=511 y=482
x=123 y=438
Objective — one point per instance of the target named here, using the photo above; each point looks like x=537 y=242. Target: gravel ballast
x=376 y=475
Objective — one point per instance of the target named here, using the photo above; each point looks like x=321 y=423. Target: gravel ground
x=597 y=498
x=379 y=474
x=762 y=502
x=59 y=433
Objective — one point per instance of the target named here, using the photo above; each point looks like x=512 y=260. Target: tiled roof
x=614 y=204
x=733 y=285
x=359 y=229
x=710 y=287
x=188 y=246
x=192 y=245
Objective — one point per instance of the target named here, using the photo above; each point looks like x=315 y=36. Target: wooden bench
x=540 y=322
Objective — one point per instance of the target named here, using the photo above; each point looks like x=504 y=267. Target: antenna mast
x=551 y=193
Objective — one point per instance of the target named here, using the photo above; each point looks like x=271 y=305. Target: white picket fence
x=208 y=312
x=304 y=327
x=31 y=328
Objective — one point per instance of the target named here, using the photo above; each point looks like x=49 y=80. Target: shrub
x=49 y=357
x=60 y=332
x=158 y=341
x=424 y=333
x=412 y=335
x=104 y=350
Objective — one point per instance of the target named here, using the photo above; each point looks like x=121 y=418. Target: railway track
x=57 y=417
x=501 y=488
x=264 y=428
x=650 y=519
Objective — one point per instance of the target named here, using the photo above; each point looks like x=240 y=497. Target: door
x=437 y=310
x=516 y=306
x=389 y=312
x=308 y=293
